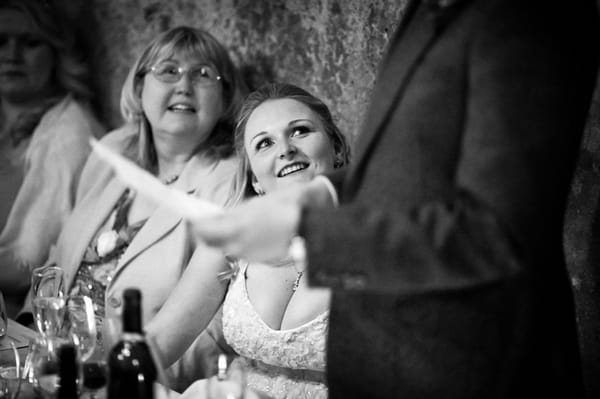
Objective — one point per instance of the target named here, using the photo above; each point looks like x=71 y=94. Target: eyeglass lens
x=169 y=72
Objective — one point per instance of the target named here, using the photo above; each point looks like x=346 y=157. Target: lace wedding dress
x=282 y=363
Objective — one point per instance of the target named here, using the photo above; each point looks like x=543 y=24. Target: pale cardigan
x=157 y=256
x=54 y=159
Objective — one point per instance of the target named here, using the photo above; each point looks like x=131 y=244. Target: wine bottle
x=67 y=372
x=131 y=369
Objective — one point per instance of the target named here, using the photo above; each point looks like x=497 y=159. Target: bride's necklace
x=169 y=180
x=298 y=277
x=299 y=273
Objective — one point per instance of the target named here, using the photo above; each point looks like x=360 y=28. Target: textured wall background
x=582 y=246
x=332 y=48
x=329 y=47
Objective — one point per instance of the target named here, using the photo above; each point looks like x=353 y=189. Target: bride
x=271 y=318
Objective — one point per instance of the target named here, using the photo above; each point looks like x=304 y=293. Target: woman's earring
x=257 y=188
x=338 y=162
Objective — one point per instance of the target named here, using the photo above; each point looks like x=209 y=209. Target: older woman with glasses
x=178 y=101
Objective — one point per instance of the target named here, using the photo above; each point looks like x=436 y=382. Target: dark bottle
x=67 y=372
x=131 y=368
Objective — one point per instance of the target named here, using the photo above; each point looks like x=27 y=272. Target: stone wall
x=330 y=47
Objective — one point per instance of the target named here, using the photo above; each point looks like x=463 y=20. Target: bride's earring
x=257 y=188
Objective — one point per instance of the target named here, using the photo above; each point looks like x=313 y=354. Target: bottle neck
x=132 y=320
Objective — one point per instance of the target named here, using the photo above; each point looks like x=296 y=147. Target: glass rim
x=44 y=268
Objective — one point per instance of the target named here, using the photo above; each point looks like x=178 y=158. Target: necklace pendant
x=297 y=282
x=170 y=180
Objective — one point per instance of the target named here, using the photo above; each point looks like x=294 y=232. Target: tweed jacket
x=445 y=254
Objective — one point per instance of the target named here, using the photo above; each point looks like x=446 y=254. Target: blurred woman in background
x=45 y=126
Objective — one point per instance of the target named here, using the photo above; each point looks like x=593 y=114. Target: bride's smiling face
x=285 y=142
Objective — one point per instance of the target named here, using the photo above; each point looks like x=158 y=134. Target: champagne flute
x=82 y=324
x=11 y=376
x=48 y=281
x=47 y=288
x=84 y=332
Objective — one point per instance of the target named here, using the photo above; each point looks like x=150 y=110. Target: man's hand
x=261 y=229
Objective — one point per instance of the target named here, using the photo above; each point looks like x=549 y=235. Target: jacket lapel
x=102 y=207
x=421 y=26
x=163 y=220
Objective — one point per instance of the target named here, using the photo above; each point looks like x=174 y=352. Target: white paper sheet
x=144 y=183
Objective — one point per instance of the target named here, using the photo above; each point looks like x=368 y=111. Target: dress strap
x=236 y=268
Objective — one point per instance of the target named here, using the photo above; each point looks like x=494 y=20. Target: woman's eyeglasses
x=200 y=75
